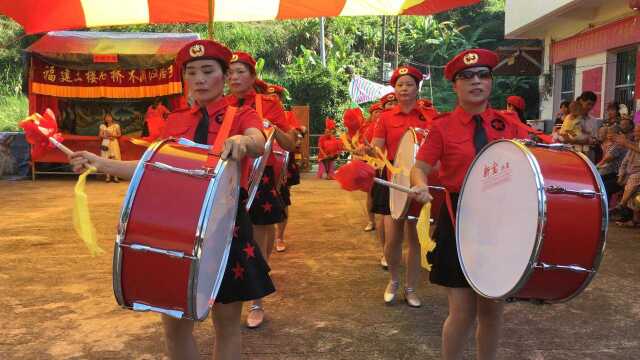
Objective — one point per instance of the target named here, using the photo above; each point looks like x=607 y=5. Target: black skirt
x=380 y=195
x=446 y=270
x=293 y=172
x=246 y=276
x=285 y=193
x=267 y=207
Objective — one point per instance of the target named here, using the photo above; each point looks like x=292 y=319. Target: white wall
x=520 y=13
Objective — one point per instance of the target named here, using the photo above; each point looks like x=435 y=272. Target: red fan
x=358 y=175
x=42 y=133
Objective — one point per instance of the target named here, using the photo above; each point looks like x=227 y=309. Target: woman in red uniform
x=391 y=126
x=204 y=65
x=328 y=149
x=453 y=141
x=267 y=208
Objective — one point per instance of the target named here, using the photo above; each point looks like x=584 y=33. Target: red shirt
x=366 y=132
x=329 y=145
x=183 y=123
x=393 y=123
x=450 y=141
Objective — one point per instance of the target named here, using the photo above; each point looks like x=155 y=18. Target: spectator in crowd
x=628 y=175
x=612 y=117
x=109 y=145
x=517 y=105
x=610 y=164
x=564 y=111
x=589 y=126
x=571 y=130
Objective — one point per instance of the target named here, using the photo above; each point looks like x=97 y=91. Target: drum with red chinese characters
x=175 y=230
x=258 y=166
x=531 y=222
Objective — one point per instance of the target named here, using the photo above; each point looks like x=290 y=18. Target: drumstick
x=59 y=145
x=393 y=186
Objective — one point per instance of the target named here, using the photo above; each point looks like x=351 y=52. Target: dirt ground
x=56 y=300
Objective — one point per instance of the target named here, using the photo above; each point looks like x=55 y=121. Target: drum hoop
x=415 y=151
x=603 y=231
x=205 y=213
x=125 y=211
x=260 y=162
x=542 y=219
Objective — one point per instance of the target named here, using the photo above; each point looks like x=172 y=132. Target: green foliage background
x=290 y=53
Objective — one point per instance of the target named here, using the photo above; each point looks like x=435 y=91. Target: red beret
x=375 y=107
x=244 y=58
x=261 y=86
x=406 y=70
x=469 y=59
x=275 y=89
x=329 y=124
x=516 y=101
x=200 y=50
x=389 y=97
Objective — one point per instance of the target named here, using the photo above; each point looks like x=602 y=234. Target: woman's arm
x=83 y=160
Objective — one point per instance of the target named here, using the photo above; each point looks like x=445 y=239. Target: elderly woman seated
x=629 y=177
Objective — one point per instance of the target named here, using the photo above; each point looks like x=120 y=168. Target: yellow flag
x=81 y=217
x=426 y=243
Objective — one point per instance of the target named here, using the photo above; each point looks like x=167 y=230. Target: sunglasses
x=469 y=74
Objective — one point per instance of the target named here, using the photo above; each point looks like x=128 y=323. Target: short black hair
x=588 y=96
x=565 y=103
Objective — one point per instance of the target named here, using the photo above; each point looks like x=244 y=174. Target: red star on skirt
x=267 y=206
x=274 y=192
x=238 y=271
x=265 y=179
x=250 y=250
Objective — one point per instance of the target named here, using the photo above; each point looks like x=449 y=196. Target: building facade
x=588 y=45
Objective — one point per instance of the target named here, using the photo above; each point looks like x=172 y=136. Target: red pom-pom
x=355 y=175
x=353 y=119
x=38 y=129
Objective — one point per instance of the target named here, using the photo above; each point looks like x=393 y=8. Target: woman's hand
x=83 y=160
x=236 y=147
x=421 y=194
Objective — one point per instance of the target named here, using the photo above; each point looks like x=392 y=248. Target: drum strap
x=222 y=135
x=259 y=105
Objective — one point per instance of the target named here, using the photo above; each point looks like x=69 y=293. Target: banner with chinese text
x=53 y=80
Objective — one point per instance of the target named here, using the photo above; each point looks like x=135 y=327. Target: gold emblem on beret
x=234 y=58
x=271 y=89
x=471 y=58
x=196 y=50
x=403 y=71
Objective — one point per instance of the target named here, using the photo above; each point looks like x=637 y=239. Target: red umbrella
x=37 y=16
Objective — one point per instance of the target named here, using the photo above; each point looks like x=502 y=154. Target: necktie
x=479 y=134
x=202 y=131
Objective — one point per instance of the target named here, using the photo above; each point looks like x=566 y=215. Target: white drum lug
x=189 y=172
x=574 y=268
x=145 y=248
x=144 y=308
x=556 y=146
x=560 y=190
x=189 y=143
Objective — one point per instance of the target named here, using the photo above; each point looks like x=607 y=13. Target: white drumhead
x=219 y=218
x=405 y=159
x=499 y=211
x=257 y=169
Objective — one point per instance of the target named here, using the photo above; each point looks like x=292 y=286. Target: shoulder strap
x=222 y=135
x=259 y=105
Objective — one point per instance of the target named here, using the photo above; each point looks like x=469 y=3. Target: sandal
x=255 y=318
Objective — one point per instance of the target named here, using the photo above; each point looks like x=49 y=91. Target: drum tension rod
x=189 y=172
x=574 y=268
x=560 y=190
x=145 y=248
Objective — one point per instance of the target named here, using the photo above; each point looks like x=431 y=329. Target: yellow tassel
x=81 y=217
x=426 y=243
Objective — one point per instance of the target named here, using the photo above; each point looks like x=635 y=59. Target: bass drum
x=175 y=230
x=399 y=201
x=258 y=166
x=531 y=222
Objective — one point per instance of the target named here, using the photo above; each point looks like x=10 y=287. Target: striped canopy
x=38 y=16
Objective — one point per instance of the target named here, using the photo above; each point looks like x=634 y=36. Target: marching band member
x=516 y=104
x=454 y=140
x=204 y=65
x=329 y=148
x=391 y=126
x=267 y=207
